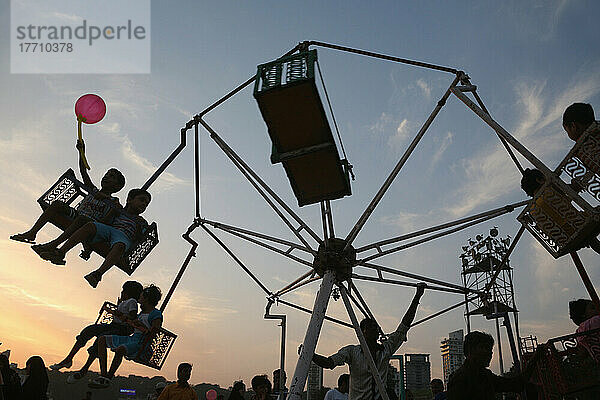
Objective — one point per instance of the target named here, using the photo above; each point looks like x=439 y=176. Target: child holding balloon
x=98 y=205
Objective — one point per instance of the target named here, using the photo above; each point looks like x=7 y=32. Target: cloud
x=406 y=220
x=23 y=296
x=189 y=307
x=443 y=143
x=382 y=123
x=401 y=133
x=66 y=17
x=424 y=87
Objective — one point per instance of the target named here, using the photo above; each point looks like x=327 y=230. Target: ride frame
x=339 y=254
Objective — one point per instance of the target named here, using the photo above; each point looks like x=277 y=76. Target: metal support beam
x=445 y=310
x=308 y=311
x=431 y=237
x=495 y=212
x=191 y=253
x=299 y=285
x=236 y=259
x=380 y=268
x=312 y=336
x=404 y=283
x=381 y=56
x=282 y=318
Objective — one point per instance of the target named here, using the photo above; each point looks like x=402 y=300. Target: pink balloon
x=211 y=394
x=91 y=108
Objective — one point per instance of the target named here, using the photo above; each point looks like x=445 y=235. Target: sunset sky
x=529 y=61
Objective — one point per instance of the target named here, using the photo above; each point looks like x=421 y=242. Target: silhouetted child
x=147 y=323
x=127 y=227
x=127 y=309
x=98 y=205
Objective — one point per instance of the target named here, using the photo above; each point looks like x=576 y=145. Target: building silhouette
x=452 y=353
x=417 y=370
x=315 y=382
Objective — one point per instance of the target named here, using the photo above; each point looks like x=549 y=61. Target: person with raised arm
x=362 y=383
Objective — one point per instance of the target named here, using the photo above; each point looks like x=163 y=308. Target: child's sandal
x=93 y=278
x=45 y=252
x=19 y=237
x=56 y=257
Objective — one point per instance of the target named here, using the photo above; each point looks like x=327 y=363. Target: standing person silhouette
x=35 y=386
x=362 y=383
x=182 y=389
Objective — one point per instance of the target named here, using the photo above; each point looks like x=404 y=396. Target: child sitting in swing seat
x=127 y=309
x=127 y=227
x=98 y=205
x=148 y=323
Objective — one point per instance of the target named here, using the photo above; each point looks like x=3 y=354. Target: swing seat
x=559 y=223
x=582 y=163
x=288 y=99
x=560 y=373
x=69 y=190
x=154 y=350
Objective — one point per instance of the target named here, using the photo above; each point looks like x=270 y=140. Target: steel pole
x=363 y=344
x=586 y=279
x=312 y=336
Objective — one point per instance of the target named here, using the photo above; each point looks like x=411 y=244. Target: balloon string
x=80 y=138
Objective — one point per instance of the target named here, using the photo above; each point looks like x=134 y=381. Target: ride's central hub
x=331 y=256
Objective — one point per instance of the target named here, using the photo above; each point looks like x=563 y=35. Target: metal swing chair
x=287 y=95
x=69 y=190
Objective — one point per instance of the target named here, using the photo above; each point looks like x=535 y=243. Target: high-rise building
x=315 y=382
x=417 y=369
x=452 y=353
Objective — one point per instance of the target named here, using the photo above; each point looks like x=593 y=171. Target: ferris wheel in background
x=303 y=142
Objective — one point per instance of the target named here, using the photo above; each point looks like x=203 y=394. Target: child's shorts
x=109 y=234
x=132 y=343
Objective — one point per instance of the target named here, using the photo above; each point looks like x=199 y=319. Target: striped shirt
x=129 y=224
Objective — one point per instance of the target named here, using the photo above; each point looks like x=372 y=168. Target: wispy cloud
x=406 y=220
x=66 y=17
x=401 y=133
x=25 y=297
x=443 y=143
x=191 y=308
x=424 y=86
